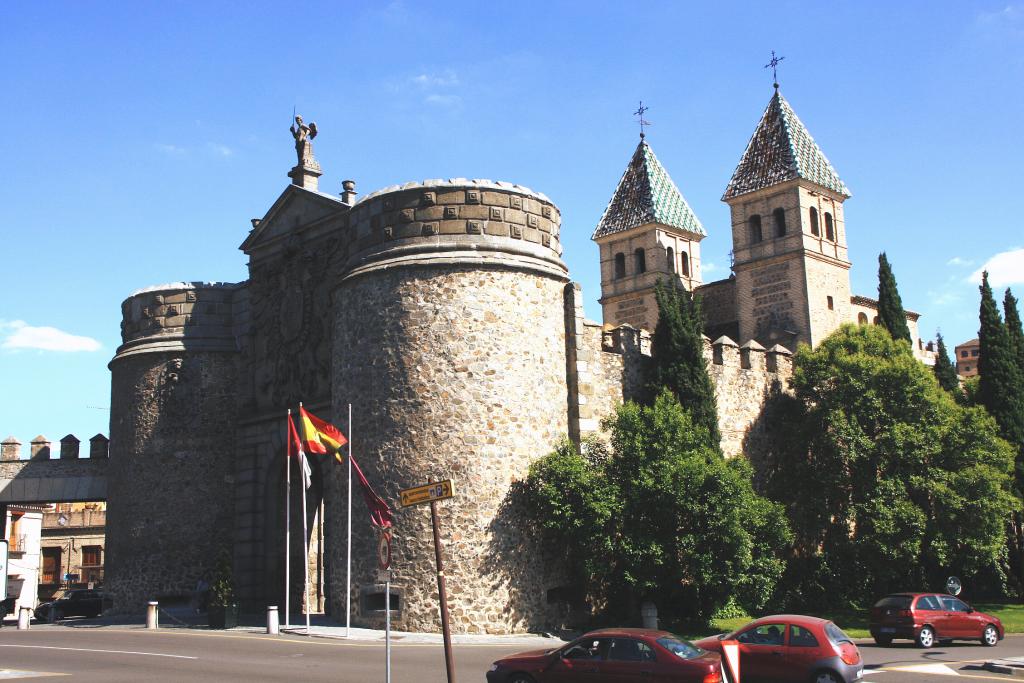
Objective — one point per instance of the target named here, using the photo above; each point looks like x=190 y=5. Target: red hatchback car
x=791 y=647
x=928 y=617
x=620 y=654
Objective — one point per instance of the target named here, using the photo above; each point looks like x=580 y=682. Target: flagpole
x=287 y=525
x=348 y=569
x=305 y=536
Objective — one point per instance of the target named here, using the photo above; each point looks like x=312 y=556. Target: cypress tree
x=677 y=357
x=890 y=307
x=999 y=386
x=944 y=370
x=1014 y=329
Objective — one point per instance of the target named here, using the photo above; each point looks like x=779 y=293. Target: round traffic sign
x=384 y=551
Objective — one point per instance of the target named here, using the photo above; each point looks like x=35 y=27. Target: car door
x=630 y=659
x=581 y=662
x=762 y=652
x=802 y=652
x=928 y=609
x=958 y=615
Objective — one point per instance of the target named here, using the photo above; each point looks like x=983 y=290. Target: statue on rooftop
x=303 y=135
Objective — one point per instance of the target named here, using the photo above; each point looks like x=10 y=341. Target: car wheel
x=883 y=641
x=520 y=678
x=826 y=677
x=926 y=638
x=990 y=636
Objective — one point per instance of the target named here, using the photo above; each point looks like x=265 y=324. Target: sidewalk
x=321 y=626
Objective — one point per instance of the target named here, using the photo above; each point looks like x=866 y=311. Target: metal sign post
x=384 y=562
x=431 y=493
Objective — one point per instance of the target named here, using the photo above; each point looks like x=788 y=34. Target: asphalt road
x=111 y=654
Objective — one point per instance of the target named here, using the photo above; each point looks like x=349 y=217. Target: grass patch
x=1011 y=614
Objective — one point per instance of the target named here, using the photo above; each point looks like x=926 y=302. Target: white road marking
x=940 y=669
x=113 y=652
x=7 y=674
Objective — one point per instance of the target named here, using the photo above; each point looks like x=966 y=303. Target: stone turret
x=449 y=341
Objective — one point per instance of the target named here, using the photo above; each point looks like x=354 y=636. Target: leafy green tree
x=1000 y=387
x=887 y=480
x=677 y=356
x=662 y=516
x=890 y=306
x=945 y=371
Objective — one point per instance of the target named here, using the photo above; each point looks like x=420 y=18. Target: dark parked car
x=928 y=617
x=77 y=603
x=620 y=654
x=791 y=647
x=7 y=606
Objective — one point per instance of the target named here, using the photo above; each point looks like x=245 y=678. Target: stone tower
x=450 y=343
x=647 y=233
x=788 y=233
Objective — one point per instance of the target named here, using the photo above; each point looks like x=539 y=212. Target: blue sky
x=139 y=139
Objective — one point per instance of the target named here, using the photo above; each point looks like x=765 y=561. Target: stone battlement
x=41 y=448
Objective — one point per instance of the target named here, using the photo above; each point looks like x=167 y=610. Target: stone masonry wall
x=454 y=372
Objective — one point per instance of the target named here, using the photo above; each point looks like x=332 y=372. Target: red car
x=791 y=647
x=928 y=617
x=615 y=654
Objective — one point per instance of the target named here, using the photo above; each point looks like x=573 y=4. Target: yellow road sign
x=437 y=490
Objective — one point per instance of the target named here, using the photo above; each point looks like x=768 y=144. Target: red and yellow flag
x=319 y=436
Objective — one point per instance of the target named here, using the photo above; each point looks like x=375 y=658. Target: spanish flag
x=319 y=436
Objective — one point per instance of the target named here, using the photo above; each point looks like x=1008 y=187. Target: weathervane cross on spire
x=774 y=64
x=639 y=113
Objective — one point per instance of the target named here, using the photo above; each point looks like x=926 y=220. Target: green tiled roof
x=646 y=194
x=781 y=149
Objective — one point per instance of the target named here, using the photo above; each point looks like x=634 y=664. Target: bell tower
x=789 y=235
x=647 y=233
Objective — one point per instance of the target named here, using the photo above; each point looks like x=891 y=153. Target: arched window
x=876 y=320
x=814 y=222
x=779 y=215
x=755 y=228
x=640 y=261
x=670 y=256
x=830 y=231
x=862 y=318
x=686 y=264
x=620 y=266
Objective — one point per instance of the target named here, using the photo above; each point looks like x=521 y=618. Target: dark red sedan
x=619 y=654
x=792 y=647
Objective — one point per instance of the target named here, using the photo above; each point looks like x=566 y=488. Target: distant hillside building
x=967 y=356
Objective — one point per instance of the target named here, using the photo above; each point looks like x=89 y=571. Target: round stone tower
x=171 y=441
x=449 y=342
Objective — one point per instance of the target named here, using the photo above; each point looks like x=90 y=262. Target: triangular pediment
x=295 y=207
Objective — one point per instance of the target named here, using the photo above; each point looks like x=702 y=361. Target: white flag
x=307 y=473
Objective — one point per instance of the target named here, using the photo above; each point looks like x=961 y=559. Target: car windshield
x=897 y=601
x=835 y=634
x=679 y=647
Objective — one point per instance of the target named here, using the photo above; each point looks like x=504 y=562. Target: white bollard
x=24 y=618
x=273 y=623
x=152 y=616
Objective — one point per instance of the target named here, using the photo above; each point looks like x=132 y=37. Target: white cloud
x=957 y=261
x=1005 y=268
x=220 y=149
x=443 y=100
x=170 y=150
x=445 y=79
x=17 y=334
x=709 y=267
